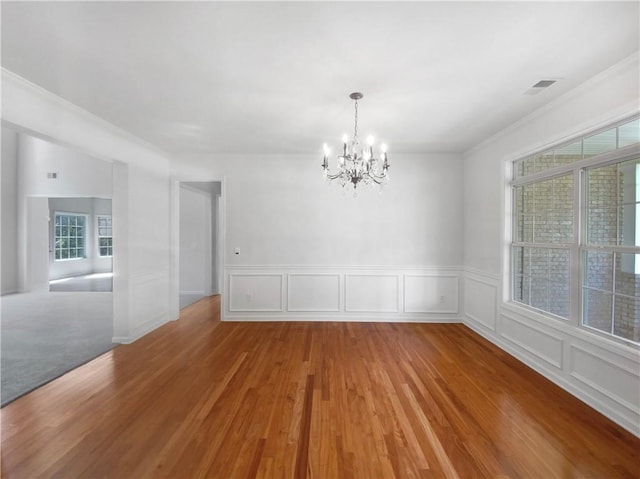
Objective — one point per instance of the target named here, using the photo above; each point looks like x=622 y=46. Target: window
x=105 y=240
x=543 y=238
x=70 y=234
x=611 y=285
x=575 y=246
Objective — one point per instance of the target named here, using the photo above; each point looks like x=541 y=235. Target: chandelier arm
x=379 y=177
x=334 y=175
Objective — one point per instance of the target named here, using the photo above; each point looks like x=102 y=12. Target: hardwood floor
x=204 y=398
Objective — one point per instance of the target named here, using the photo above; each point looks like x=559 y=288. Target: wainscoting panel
x=255 y=292
x=613 y=378
x=480 y=295
x=313 y=292
x=337 y=293
x=533 y=339
x=431 y=294
x=371 y=293
x=149 y=296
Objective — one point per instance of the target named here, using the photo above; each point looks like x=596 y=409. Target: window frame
x=99 y=236
x=578 y=247
x=57 y=214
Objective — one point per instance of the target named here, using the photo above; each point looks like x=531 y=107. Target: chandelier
x=355 y=164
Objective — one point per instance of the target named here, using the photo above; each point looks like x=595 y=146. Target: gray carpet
x=47 y=334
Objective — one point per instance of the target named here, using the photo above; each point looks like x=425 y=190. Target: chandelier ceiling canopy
x=357 y=164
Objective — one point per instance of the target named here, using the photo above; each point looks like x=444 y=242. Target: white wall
x=141 y=191
x=9 y=201
x=195 y=242
x=603 y=372
x=37 y=244
x=78 y=174
x=280 y=211
x=287 y=222
x=147 y=246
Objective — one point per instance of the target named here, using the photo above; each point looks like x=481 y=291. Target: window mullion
x=613 y=292
x=576 y=273
x=529 y=292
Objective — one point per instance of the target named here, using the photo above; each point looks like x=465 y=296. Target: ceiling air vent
x=538 y=87
x=544 y=84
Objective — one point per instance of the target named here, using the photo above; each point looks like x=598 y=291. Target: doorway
x=198 y=240
x=45 y=333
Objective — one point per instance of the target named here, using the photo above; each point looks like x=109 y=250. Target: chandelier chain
x=355 y=128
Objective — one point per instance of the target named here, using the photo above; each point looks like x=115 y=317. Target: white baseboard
x=371 y=318
x=140 y=330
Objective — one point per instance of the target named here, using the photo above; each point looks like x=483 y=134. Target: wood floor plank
x=204 y=398
x=302 y=457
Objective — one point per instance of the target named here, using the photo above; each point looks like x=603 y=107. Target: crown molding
x=21 y=83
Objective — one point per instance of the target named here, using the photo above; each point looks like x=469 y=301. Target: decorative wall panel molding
x=337 y=293
x=313 y=292
x=428 y=293
x=480 y=300
x=543 y=344
x=611 y=378
x=149 y=296
x=256 y=292
x=371 y=293
x=149 y=303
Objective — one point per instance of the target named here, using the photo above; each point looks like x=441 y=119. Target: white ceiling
x=250 y=77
